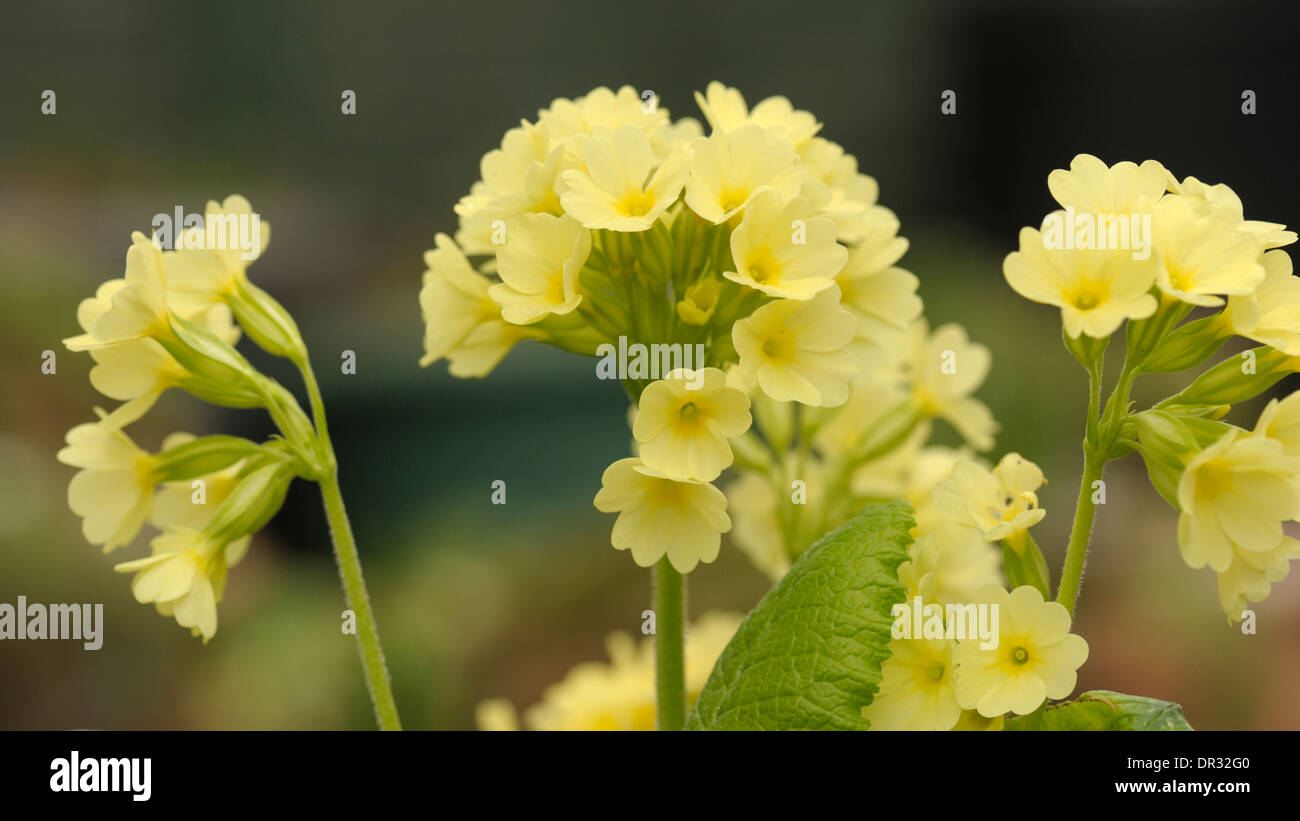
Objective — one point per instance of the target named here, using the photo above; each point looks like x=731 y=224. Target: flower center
x=636 y=203
x=762 y=268
x=733 y=198
x=936 y=672
x=1020 y=655
x=688 y=410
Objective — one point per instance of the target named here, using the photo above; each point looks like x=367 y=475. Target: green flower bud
x=1168 y=441
x=1236 y=379
x=266 y=321
x=251 y=504
x=1187 y=346
x=199 y=457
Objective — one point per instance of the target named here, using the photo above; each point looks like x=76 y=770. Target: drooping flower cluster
x=1134 y=244
x=171 y=322
x=708 y=273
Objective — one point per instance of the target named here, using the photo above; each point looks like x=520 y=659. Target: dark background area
x=162 y=105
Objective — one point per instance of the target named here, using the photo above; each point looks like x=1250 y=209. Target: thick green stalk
x=670 y=656
x=1072 y=574
x=354 y=585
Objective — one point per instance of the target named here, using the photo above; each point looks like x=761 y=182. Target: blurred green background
x=162 y=105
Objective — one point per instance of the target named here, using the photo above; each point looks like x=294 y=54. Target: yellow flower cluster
x=1134 y=244
x=619 y=695
x=606 y=226
x=170 y=322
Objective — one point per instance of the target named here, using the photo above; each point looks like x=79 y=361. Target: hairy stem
x=670 y=660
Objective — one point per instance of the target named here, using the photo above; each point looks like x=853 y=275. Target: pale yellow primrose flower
x=725 y=110
x=880 y=295
x=1035 y=659
x=1234 y=495
x=752 y=504
x=1096 y=290
x=601 y=112
x=918 y=689
x=659 y=516
x=520 y=177
x=113 y=493
x=461 y=321
x=699 y=302
x=783 y=251
x=619 y=695
x=1093 y=188
x=613 y=192
x=1220 y=199
x=138 y=308
x=838 y=191
x=950 y=564
x=139 y=371
x=1252 y=573
x=684 y=420
x=1000 y=502
x=184 y=578
x=1270 y=314
x=539 y=266
x=208 y=261
x=177 y=507
x=944 y=369
x=795 y=351
x=728 y=169
x=1202 y=256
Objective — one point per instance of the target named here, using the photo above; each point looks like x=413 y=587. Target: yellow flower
x=684 y=420
x=1124 y=188
x=1222 y=200
x=1201 y=256
x=177 y=505
x=209 y=262
x=728 y=169
x=880 y=295
x=539 y=267
x=139 y=371
x=113 y=493
x=1001 y=502
x=1251 y=574
x=972 y=721
x=658 y=516
x=795 y=351
x=782 y=251
x=462 y=322
x=619 y=695
x=1271 y=314
x=613 y=192
x=1234 y=495
x=1035 y=658
x=1096 y=290
x=949 y=564
x=725 y=109
x=917 y=687
x=838 y=191
x=600 y=112
x=700 y=301
x=520 y=177
x=944 y=369
x=753 y=506
x=138 y=307
x=184 y=578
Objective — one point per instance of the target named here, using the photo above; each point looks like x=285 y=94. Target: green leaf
x=1104 y=710
x=809 y=656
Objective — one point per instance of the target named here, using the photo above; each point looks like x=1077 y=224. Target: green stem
x=1072 y=574
x=670 y=659
x=354 y=584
